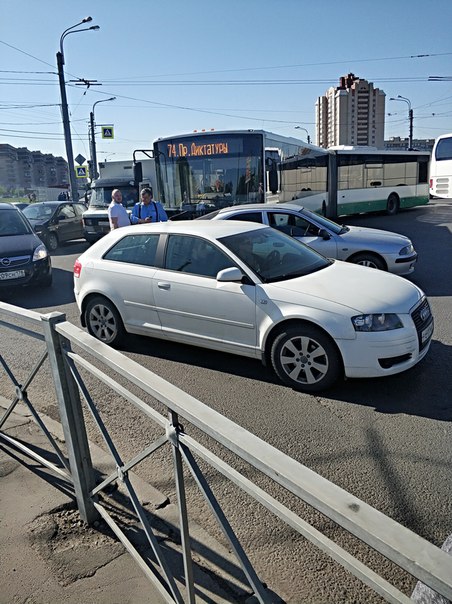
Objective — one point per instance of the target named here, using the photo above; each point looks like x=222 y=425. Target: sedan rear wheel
x=306 y=359
x=103 y=321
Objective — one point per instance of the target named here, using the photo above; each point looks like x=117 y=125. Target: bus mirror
x=137 y=172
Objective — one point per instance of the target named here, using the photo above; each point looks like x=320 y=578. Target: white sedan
x=369 y=247
x=251 y=290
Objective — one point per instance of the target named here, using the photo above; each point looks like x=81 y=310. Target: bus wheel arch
x=392 y=204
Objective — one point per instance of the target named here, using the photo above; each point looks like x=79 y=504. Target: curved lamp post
x=307 y=133
x=94 y=174
x=64 y=106
x=410 y=117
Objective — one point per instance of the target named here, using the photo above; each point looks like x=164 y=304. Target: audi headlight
x=407 y=250
x=381 y=322
x=40 y=253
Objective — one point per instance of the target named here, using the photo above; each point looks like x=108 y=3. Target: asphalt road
x=388 y=441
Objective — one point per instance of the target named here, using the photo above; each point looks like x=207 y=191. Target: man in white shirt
x=117 y=214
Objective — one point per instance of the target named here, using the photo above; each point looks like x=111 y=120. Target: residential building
x=8 y=166
x=62 y=172
x=352 y=113
x=39 y=169
x=24 y=169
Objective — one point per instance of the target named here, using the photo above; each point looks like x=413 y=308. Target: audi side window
x=196 y=256
x=134 y=249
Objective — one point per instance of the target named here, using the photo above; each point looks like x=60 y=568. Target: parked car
x=56 y=221
x=24 y=259
x=369 y=247
x=251 y=290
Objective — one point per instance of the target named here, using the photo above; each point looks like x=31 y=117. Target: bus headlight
x=407 y=250
x=381 y=322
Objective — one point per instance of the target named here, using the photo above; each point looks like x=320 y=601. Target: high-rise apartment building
x=353 y=113
x=8 y=165
x=24 y=169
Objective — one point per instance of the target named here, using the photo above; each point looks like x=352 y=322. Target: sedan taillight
x=77 y=268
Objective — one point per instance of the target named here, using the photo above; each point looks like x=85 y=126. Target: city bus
x=204 y=171
x=440 y=178
x=350 y=180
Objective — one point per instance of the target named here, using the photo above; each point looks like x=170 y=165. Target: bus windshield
x=101 y=196
x=206 y=172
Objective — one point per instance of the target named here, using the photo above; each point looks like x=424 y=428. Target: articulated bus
x=204 y=171
x=441 y=167
x=350 y=180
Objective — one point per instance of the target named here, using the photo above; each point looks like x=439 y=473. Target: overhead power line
x=269 y=67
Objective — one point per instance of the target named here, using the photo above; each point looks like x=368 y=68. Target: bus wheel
x=392 y=205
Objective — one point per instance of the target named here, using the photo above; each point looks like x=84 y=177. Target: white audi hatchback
x=251 y=290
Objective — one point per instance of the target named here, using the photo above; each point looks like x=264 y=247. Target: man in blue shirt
x=147 y=210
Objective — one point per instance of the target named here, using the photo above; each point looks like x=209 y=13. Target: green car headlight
x=380 y=322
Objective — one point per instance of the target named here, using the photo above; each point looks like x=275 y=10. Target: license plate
x=12 y=275
x=426 y=333
x=103 y=223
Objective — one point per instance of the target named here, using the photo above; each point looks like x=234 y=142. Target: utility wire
x=267 y=68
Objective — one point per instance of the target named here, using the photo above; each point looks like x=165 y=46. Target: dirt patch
x=73 y=549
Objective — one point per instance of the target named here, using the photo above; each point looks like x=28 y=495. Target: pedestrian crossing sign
x=108 y=132
x=81 y=171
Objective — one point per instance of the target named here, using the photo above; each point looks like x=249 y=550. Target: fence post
x=71 y=415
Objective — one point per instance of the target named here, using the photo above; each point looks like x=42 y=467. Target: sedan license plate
x=426 y=333
x=11 y=275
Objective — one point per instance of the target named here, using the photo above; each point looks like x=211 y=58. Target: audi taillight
x=77 y=268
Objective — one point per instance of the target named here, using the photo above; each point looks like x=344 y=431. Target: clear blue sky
x=180 y=65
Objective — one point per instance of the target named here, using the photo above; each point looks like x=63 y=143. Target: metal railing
x=409 y=551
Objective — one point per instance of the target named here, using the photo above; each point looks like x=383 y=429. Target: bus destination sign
x=194 y=149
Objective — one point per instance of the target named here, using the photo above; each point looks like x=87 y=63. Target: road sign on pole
x=108 y=131
x=80 y=159
x=81 y=171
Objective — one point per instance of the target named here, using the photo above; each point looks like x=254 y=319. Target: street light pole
x=94 y=173
x=410 y=118
x=307 y=133
x=64 y=107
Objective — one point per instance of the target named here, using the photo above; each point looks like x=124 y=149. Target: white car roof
x=262 y=206
x=208 y=228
